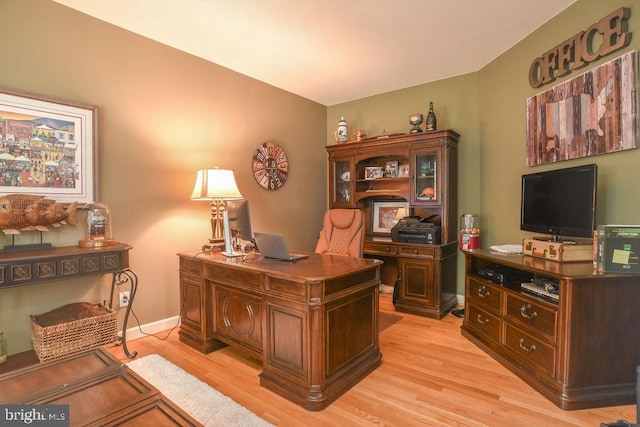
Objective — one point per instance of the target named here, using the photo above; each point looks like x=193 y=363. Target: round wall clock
x=270 y=166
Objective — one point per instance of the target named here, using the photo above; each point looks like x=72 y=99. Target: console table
x=313 y=322
x=38 y=266
x=581 y=351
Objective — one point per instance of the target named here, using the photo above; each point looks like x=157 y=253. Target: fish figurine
x=36 y=213
x=57 y=214
x=12 y=206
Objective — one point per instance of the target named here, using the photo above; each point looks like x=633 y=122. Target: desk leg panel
x=315 y=353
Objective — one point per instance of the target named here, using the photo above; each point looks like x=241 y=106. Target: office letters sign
x=600 y=39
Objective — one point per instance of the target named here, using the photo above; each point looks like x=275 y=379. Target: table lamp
x=217 y=185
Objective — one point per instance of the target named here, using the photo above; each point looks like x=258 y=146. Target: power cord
x=184 y=299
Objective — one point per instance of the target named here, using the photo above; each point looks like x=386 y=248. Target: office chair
x=342 y=233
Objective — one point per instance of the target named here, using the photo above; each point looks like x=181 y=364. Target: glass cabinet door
x=342 y=183
x=426 y=185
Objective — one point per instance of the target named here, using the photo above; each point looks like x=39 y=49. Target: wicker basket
x=53 y=342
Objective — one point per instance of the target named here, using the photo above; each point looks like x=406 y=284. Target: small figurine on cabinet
x=359 y=135
x=427 y=193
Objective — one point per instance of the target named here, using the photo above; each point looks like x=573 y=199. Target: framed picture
x=373 y=172
x=594 y=113
x=391 y=169
x=49 y=147
x=387 y=214
x=403 y=170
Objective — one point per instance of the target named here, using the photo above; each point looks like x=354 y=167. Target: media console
x=580 y=350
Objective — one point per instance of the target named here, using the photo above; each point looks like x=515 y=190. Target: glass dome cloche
x=97 y=228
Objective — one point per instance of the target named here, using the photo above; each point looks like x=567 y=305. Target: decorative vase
x=341 y=134
x=415 y=120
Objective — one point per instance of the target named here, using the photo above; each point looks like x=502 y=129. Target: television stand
x=580 y=351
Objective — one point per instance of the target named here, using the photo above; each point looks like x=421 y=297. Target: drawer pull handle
x=483 y=292
x=525 y=311
x=481 y=321
x=388 y=249
x=527 y=349
x=415 y=252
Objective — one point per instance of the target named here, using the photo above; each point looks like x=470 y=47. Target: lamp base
x=95 y=243
x=213 y=245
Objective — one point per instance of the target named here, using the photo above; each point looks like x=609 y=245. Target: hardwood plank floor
x=430 y=375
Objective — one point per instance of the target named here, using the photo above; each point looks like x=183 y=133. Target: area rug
x=195 y=397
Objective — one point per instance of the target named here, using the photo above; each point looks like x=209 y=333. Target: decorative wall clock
x=270 y=166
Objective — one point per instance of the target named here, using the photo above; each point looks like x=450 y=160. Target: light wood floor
x=430 y=375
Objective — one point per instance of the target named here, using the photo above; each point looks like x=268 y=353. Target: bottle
x=3 y=348
x=431 y=118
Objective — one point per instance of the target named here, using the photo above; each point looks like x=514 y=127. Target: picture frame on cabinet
x=49 y=147
x=391 y=169
x=403 y=170
x=386 y=214
x=373 y=172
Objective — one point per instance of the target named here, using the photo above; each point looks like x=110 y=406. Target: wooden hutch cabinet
x=580 y=350
x=426 y=163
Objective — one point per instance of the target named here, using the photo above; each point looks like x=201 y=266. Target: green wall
x=488 y=109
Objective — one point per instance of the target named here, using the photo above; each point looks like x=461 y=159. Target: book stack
x=616 y=249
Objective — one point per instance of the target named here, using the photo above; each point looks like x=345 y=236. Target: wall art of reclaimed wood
x=592 y=114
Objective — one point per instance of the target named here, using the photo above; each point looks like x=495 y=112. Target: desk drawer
x=380 y=248
x=425 y=252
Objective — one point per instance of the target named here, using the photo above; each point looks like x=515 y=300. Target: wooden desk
x=99 y=390
x=313 y=322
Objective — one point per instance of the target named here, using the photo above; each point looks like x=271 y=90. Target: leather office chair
x=342 y=233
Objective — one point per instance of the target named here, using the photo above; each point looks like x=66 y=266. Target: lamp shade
x=215 y=184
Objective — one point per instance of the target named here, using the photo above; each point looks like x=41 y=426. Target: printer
x=412 y=229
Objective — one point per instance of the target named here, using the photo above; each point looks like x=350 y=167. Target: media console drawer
x=529 y=349
x=525 y=310
x=484 y=322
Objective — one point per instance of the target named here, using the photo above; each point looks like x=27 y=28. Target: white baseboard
x=171 y=322
x=151 y=328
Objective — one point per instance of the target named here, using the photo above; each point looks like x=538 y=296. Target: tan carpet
x=197 y=398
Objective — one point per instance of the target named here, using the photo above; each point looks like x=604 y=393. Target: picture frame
x=385 y=214
x=48 y=147
x=391 y=169
x=373 y=172
x=403 y=170
x=591 y=114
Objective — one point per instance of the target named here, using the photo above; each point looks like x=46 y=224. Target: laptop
x=272 y=245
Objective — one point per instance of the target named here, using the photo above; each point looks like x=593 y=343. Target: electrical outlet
x=124 y=299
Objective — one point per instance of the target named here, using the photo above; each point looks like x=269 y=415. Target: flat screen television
x=560 y=202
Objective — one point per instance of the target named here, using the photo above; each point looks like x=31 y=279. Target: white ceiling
x=333 y=51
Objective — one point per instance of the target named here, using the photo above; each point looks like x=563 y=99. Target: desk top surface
x=314 y=267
